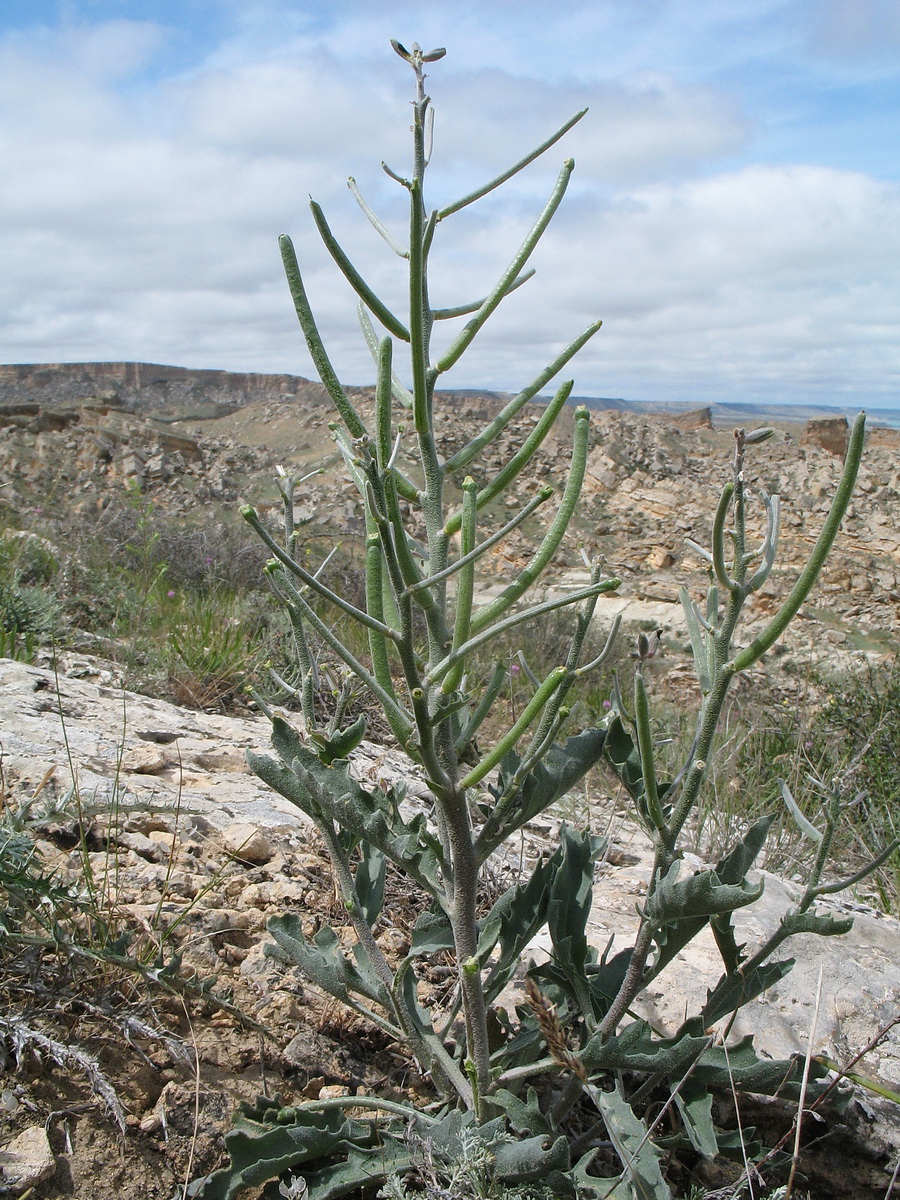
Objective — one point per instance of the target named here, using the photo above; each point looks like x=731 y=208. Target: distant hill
x=177 y=393
x=730 y=414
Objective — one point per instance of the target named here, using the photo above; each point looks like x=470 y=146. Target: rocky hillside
x=197 y=443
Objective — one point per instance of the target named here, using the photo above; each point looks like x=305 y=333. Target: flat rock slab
x=116 y=745
x=56 y=729
x=119 y=747
x=857 y=995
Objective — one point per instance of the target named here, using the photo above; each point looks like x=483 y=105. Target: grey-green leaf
x=699 y=895
x=639 y=1156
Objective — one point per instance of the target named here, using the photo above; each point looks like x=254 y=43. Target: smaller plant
x=466 y=1169
x=26 y=558
x=857 y=745
x=30 y=615
x=64 y=934
x=213 y=650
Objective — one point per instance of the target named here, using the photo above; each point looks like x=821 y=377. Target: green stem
x=508 y=741
x=439 y=670
x=514 y=170
x=353 y=277
x=718 y=537
x=485 y=704
x=388 y=703
x=468 y=333
x=383 y=447
x=463 y=310
x=810 y=573
x=465 y=589
x=306 y=577
x=417 y=316
x=464 y=456
x=555 y=533
x=535 y=502
x=378 y=645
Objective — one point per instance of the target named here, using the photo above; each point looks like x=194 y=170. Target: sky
x=733 y=217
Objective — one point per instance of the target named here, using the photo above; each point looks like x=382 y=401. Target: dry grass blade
x=190 y=1163
x=749 y=1170
x=795 y=1158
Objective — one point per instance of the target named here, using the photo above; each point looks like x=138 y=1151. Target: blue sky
x=734 y=216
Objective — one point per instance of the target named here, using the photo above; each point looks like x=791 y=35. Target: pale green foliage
x=509 y=1086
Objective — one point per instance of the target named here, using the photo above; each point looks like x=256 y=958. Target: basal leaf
x=568 y=909
x=360 y=1171
x=323 y=959
x=695 y=1106
x=529 y=1159
x=741 y=1067
x=639 y=1156
x=824 y=924
x=431 y=934
x=734 y=866
x=621 y=752
x=261 y=1150
x=606 y=977
x=342 y=743
x=524 y=1116
x=698 y=895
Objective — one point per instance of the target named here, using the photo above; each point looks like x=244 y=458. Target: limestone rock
x=831 y=433
x=26 y=1161
x=246 y=843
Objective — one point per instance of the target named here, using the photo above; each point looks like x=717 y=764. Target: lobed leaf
x=323 y=960
x=694 y=1103
x=735 y=990
x=563 y=766
x=639 y=1156
x=699 y=895
x=261 y=1148
x=331 y=793
x=513 y=921
x=637 y=1048
x=369 y=880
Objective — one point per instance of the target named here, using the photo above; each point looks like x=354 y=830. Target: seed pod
x=758 y=435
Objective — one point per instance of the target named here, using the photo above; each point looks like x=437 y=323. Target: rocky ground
x=189 y=854
x=651 y=483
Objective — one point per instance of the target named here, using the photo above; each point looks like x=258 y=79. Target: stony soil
x=178 y=1064
x=188 y=853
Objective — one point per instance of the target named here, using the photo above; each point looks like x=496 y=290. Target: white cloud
x=764 y=280
x=138 y=217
